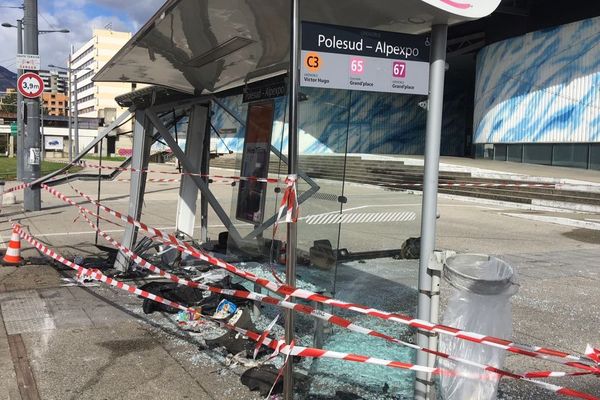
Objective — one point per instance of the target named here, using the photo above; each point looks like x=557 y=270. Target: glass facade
x=573 y=155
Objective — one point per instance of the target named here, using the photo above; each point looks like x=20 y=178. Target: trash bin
x=480 y=302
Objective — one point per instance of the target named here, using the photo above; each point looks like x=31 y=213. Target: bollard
x=318 y=335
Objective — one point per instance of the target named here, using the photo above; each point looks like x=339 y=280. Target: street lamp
x=20 y=135
x=72 y=71
x=54 y=31
x=41 y=32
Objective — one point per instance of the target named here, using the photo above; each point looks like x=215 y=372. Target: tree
x=9 y=103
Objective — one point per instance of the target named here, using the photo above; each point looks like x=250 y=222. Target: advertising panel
x=255 y=162
x=53 y=143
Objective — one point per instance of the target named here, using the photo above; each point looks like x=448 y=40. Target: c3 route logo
x=313 y=62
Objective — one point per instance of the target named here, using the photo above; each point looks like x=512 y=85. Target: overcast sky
x=79 y=16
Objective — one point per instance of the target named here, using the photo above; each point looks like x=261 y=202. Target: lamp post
x=72 y=71
x=20 y=135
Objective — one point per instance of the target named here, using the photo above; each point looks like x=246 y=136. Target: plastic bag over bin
x=480 y=302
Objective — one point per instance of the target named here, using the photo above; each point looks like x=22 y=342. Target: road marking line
x=558 y=220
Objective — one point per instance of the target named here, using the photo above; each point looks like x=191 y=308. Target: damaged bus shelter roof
x=202 y=47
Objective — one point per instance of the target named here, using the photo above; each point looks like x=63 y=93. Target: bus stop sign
x=338 y=57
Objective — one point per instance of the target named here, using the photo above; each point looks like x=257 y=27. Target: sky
x=79 y=16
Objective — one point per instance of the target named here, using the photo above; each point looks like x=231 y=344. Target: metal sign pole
x=76 y=105
x=290 y=272
x=20 y=113
x=70 y=105
x=31 y=167
x=424 y=382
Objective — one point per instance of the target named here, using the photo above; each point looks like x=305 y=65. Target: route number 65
x=357 y=66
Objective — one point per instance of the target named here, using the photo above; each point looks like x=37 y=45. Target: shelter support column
x=142 y=134
x=205 y=170
x=290 y=270
x=194 y=151
x=428 y=277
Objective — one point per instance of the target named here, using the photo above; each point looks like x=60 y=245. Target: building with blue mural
x=336 y=121
x=537 y=97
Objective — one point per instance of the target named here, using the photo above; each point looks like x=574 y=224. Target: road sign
x=13 y=129
x=339 y=57
x=30 y=85
x=29 y=62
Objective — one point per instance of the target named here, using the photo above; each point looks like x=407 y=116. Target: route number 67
x=399 y=70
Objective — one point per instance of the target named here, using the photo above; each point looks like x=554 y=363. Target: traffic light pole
x=32 y=155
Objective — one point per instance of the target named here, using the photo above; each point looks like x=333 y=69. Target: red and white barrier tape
x=17 y=188
x=236 y=178
x=318 y=314
x=593 y=353
x=154 y=180
x=531 y=351
x=279 y=346
x=97 y=275
x=482 y=184
x=289 y=202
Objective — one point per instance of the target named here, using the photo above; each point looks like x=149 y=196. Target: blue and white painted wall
x=368 y=123
x=542 y=87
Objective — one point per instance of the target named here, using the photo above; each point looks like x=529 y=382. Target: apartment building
x=55 y=104
x=54 y=81
x=97 y=99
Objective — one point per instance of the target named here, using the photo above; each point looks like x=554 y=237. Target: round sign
x=30 y=85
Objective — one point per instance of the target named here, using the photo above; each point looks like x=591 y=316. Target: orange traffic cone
x=13 y=251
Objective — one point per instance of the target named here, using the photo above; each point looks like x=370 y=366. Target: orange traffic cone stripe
x=13 y=251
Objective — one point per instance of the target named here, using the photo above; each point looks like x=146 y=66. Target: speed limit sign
x=30 y=85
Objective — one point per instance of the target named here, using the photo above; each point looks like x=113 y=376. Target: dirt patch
x=584 y=235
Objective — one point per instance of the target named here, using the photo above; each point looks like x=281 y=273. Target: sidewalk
x=68 y=342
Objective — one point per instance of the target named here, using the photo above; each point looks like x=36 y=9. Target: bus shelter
x=286 y=86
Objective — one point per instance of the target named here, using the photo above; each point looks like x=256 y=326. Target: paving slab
x=30 y=276
x=8 y=389
x=120 y=362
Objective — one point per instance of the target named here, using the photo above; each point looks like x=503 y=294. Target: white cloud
x=54 y=48
x=8 y=38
